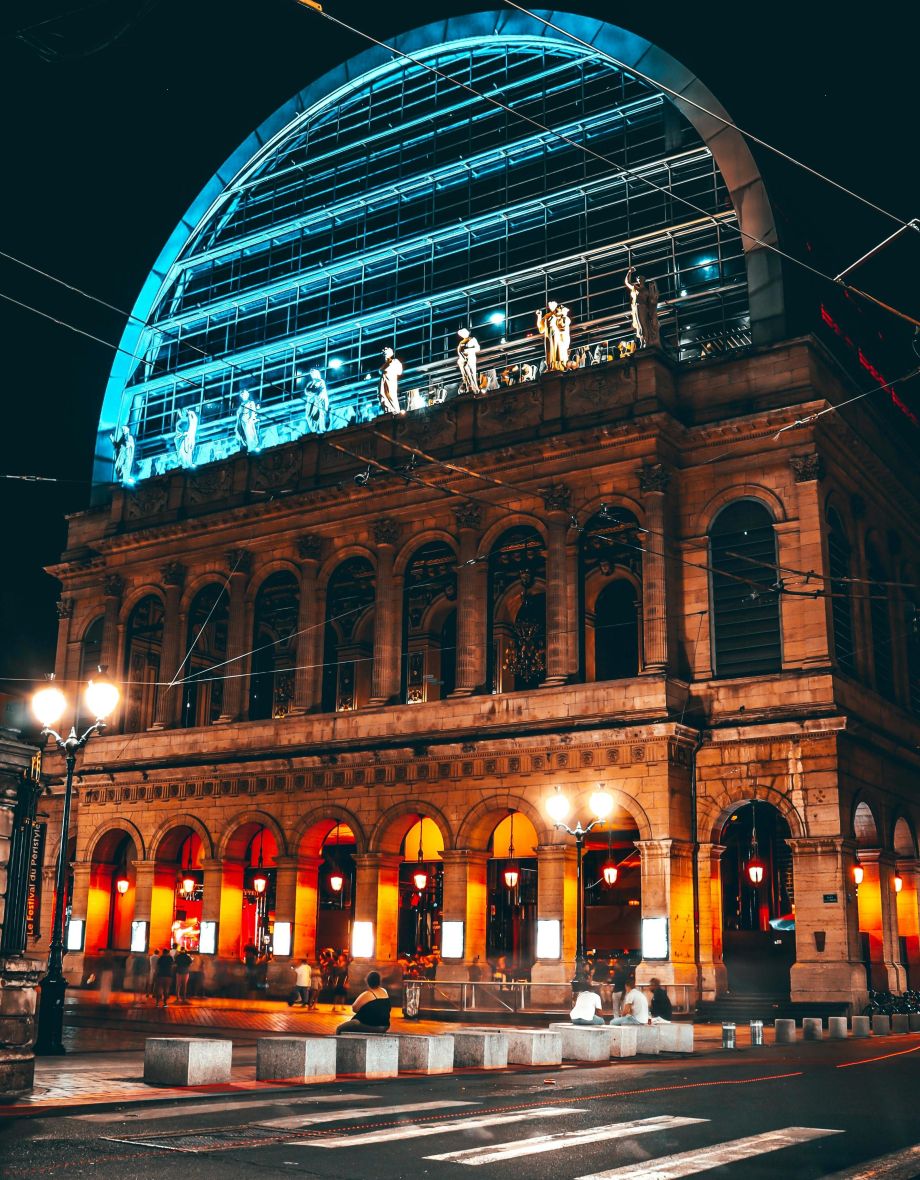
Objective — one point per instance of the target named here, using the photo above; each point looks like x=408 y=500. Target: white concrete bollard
x=534 y=1046
x=187 y=1061
x=861 y=1026
x=481 y=1048
x=812 y=1028
x=582 y=1042
x=426 y=1054
x=837 y=1028
x=624 y=1039
x=881 y=1025
x=364 y=1056
x=300 y=1059
x=784 y=1032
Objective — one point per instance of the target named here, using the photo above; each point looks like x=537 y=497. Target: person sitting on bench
x=371 y=1009
x=587 y=1005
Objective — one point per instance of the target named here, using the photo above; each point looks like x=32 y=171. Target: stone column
x=18 y=974
x=557 y=879
x=279 y=976
x=169 y=696
x=471 y=604
x=377 y=902
x=113 y=587
x=466 y=900
x=667 y=891
x=65 y=616
x=908 y=906
x=653 y=483
x=79 y=908
x=714 y=976
x=388 y=616
x=306 y=906
x=806 y=629
x=573 y=617
x=144 y=883
x=557 y=499
x=239 y=563
x=878 y=917
x=827 y=963
x=308 y=679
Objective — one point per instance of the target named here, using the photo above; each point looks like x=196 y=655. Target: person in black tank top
x=371 y=1009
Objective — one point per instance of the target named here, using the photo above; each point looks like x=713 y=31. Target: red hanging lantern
x=512 y=875
x=610 y=873
x=755 y=870
x=420 y=880
x=336 y=881
x=122 y=885
x=260 y=882
x=189 y=885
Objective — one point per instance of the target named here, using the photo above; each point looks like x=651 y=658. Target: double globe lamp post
x=49 y=705
x=558 y=808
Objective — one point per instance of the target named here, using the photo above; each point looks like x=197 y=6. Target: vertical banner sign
x=34 y=880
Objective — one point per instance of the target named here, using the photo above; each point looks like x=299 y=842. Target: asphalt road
x=806 y=1112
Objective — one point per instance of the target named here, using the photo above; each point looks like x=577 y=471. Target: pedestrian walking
x=340 y=983
x=183 y=964
x=152 y=972
x=303 y=978
x=164 y=977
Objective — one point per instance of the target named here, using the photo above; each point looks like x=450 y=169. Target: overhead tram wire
x=620 y=168
x=685 y=100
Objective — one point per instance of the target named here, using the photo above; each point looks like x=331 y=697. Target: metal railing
x=520 y=996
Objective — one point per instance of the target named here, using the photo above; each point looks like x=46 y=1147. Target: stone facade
x=679 y=746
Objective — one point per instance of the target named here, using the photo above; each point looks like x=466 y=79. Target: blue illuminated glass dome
x=398 y=199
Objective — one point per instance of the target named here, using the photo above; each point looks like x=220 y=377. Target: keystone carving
x=113 y=586
x=654 y=477
x=557 y=497
x=807 y=467
x=468 y=516
x=386 y=531
x=173 y=573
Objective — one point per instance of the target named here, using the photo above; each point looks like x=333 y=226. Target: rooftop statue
x=184 y=437
x=315 y=401
x=555 y=326
x=390 y=372
x=123 y=444
x=643 y=297
x=246 y=427
x=467 y=351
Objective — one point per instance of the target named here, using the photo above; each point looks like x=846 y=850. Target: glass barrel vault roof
x=394 y=207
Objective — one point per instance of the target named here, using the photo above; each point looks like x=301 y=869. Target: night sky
x=106 y=146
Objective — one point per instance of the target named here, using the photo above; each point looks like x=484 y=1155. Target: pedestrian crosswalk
x=422 y=1130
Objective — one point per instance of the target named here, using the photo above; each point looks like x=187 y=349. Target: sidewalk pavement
x=104 y=1065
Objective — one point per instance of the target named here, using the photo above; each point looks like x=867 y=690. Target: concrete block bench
x=913 y=1021
x=624 y=1039
x=662 y=1038
x=366 y=1055
x=900 y=1022
x=187 y=1061
x=585 y=1042
x=648 y=1038
x=425 y=1054
x=300 y=1059
x=534 y=1046
x=484 y=1048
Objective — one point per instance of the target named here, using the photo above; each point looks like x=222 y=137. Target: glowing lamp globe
x=601 y=803
x=755 y=870
x=122 y=885
x=858 y=874
x=188 y=885
x=610 y=873
x=898 y=884
x=260 y=883
x=48 y=705
x=420 y=880
x=102 y=696
x=557 y=807
x=336 y=882
x=512 y=876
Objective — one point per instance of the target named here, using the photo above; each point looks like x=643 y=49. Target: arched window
x=143 y=649
x=91 y=649
x=274 y=642
x=203 y=693
x=840 y=567
x=611 y=614
x=348 y=650
x=745 y=601
x=429 y=624
x=517 y=611
x=880 y=620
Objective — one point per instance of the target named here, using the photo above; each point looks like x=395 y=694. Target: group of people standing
x=329 y=979
x=168 y=974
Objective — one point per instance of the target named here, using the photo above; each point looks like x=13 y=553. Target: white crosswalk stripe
x=183 y=1108
x=688 y=1163
x=896 y=1165
x=447 y=1126
x=296 y=1121
x=496 y=1153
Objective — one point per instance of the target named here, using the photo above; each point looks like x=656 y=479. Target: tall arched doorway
x=335 y=889
x=421 y=889
x=511 y=918
x=178 y=890
x=110 y=904
x=758 y=900
x=612 y=875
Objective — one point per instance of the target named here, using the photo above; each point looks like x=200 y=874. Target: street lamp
x=558 y=807
x=49 y=704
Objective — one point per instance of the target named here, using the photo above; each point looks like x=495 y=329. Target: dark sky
x=106 y=146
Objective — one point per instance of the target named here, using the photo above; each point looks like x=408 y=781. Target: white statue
x=643 y=299
x=246 y=428
x=123 y=444
x=528 y=372
x=390 y=372
x=554 y=325
x=184 y=437
x=415 y=400
x=315 y=402
x=467 y=351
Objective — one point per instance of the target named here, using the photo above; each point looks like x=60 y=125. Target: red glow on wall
x=866 y=364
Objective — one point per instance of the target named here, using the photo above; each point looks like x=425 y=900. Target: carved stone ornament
x=557 y=497
x=212 y=483
x=654 y=477
x=65 y=608
x=173 y=573
x=150 y=499
x=807 y=467
x=309 y=547
x=278 y=468
x=113 y=585
x=239 y=561
x=386 y=531
x=468 y=516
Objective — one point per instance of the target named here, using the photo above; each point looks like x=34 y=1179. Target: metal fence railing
x=513 y=996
